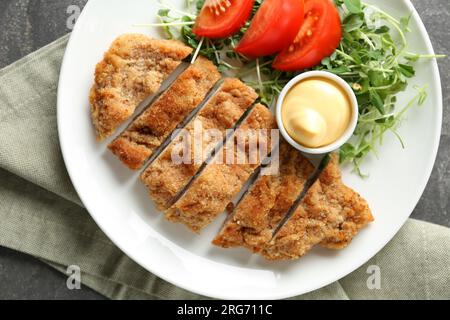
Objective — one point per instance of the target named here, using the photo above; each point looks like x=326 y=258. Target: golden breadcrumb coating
x=164 y=178
x=267 y=200
x=330 y=215
x=140 y=140
x=133 y=69
x=219 y=183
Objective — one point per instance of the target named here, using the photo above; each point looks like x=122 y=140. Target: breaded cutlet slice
x=164 y=178
x=148 y=131
x=221 y=181
x=132 y=69
x=348 y=213
x=330 y=215
x=266 y=202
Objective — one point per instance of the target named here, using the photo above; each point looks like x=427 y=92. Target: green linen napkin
x=41 y=214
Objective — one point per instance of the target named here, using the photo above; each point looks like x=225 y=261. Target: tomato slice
x=273 y=28
x=222 y=18
x=318 y=37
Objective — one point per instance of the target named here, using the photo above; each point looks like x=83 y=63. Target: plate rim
x=287 y=293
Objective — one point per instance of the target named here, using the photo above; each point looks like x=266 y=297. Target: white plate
x=120 y=206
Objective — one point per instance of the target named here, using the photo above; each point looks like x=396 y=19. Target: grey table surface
x=27 y=25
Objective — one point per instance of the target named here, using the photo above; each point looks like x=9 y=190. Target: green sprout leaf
x=354 y=6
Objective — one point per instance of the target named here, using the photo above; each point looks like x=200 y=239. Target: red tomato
x=273 y=28
x=222 y=18
x=318 y=37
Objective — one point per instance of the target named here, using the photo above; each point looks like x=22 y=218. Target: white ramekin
x=351 y=127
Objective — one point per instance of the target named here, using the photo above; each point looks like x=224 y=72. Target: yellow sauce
x=316 y=112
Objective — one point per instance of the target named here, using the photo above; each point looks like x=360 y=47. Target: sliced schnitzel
x=330 y=215
x=136 y=144
x=133 y=69
x=197 y=173
x=164 y=178
x=267 y=200
x=220 y=182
